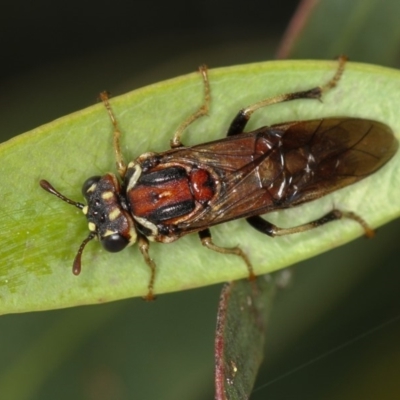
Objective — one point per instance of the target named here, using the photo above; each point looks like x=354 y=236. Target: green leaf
x=40 y=235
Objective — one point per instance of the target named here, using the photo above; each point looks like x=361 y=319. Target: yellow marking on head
x=92 y=188
x=92 y=227
x=107 y=195
x=85 y=209
x=108 y=233
x=114 y=214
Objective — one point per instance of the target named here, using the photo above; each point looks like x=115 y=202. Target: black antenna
x=76 y=267
x=48 y=188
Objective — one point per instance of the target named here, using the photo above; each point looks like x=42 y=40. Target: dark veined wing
x=288 y=164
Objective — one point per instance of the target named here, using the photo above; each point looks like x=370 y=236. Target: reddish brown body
x=187 y=189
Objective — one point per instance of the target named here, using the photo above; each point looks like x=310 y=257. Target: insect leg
x=144 y=249
x=205 y=237
x=117 y=134
x=269 y=229
x=202 y=111
x=243 y=116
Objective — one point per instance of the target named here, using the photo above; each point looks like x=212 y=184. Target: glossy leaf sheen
x=40 y=234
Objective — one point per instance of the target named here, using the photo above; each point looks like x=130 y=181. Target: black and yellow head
x=108 y=219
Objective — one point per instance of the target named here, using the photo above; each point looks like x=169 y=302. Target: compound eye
x=89 y=183
x=114 y=243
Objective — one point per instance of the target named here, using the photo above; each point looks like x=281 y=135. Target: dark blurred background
x=55 y=58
